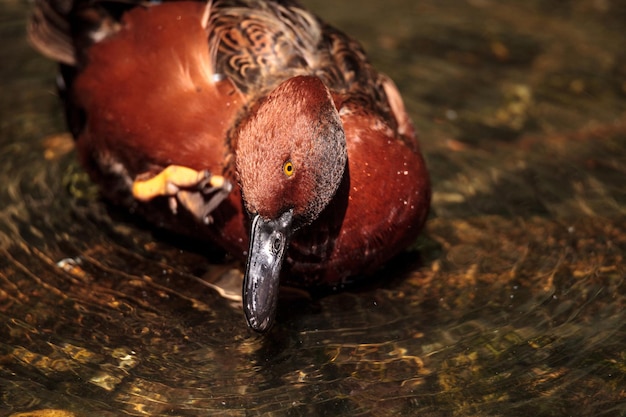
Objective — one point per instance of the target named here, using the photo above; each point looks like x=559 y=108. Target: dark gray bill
x=269 y=240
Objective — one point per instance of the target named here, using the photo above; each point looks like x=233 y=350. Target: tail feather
x=49 y=30
x=60 y=28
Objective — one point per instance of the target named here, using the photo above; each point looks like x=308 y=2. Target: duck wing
x=258 y=44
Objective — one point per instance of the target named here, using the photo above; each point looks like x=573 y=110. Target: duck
x=252 y=124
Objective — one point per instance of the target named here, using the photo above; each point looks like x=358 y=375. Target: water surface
x=510 y=304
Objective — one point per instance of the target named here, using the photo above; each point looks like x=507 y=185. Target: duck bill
x=269 y=240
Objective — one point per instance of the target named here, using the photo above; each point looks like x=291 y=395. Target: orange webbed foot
x=200 y=192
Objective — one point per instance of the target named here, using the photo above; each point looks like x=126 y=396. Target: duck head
x=290 y=159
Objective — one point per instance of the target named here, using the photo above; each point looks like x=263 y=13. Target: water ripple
x=513 y=303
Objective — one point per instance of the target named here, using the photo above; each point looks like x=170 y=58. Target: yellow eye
x=288 y=168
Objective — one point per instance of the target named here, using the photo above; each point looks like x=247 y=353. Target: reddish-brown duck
x=266 y=126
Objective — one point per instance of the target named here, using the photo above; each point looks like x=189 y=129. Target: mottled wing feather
x=258 y=44
x=347 y=71
x=263 y=43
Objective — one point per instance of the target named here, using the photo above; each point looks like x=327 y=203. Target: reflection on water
x=511 y=304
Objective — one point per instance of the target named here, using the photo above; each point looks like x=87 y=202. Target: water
x=511 y=304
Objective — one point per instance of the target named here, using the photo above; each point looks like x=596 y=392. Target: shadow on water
x=512 y=303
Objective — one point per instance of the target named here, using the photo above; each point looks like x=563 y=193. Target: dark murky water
x=511 y=304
